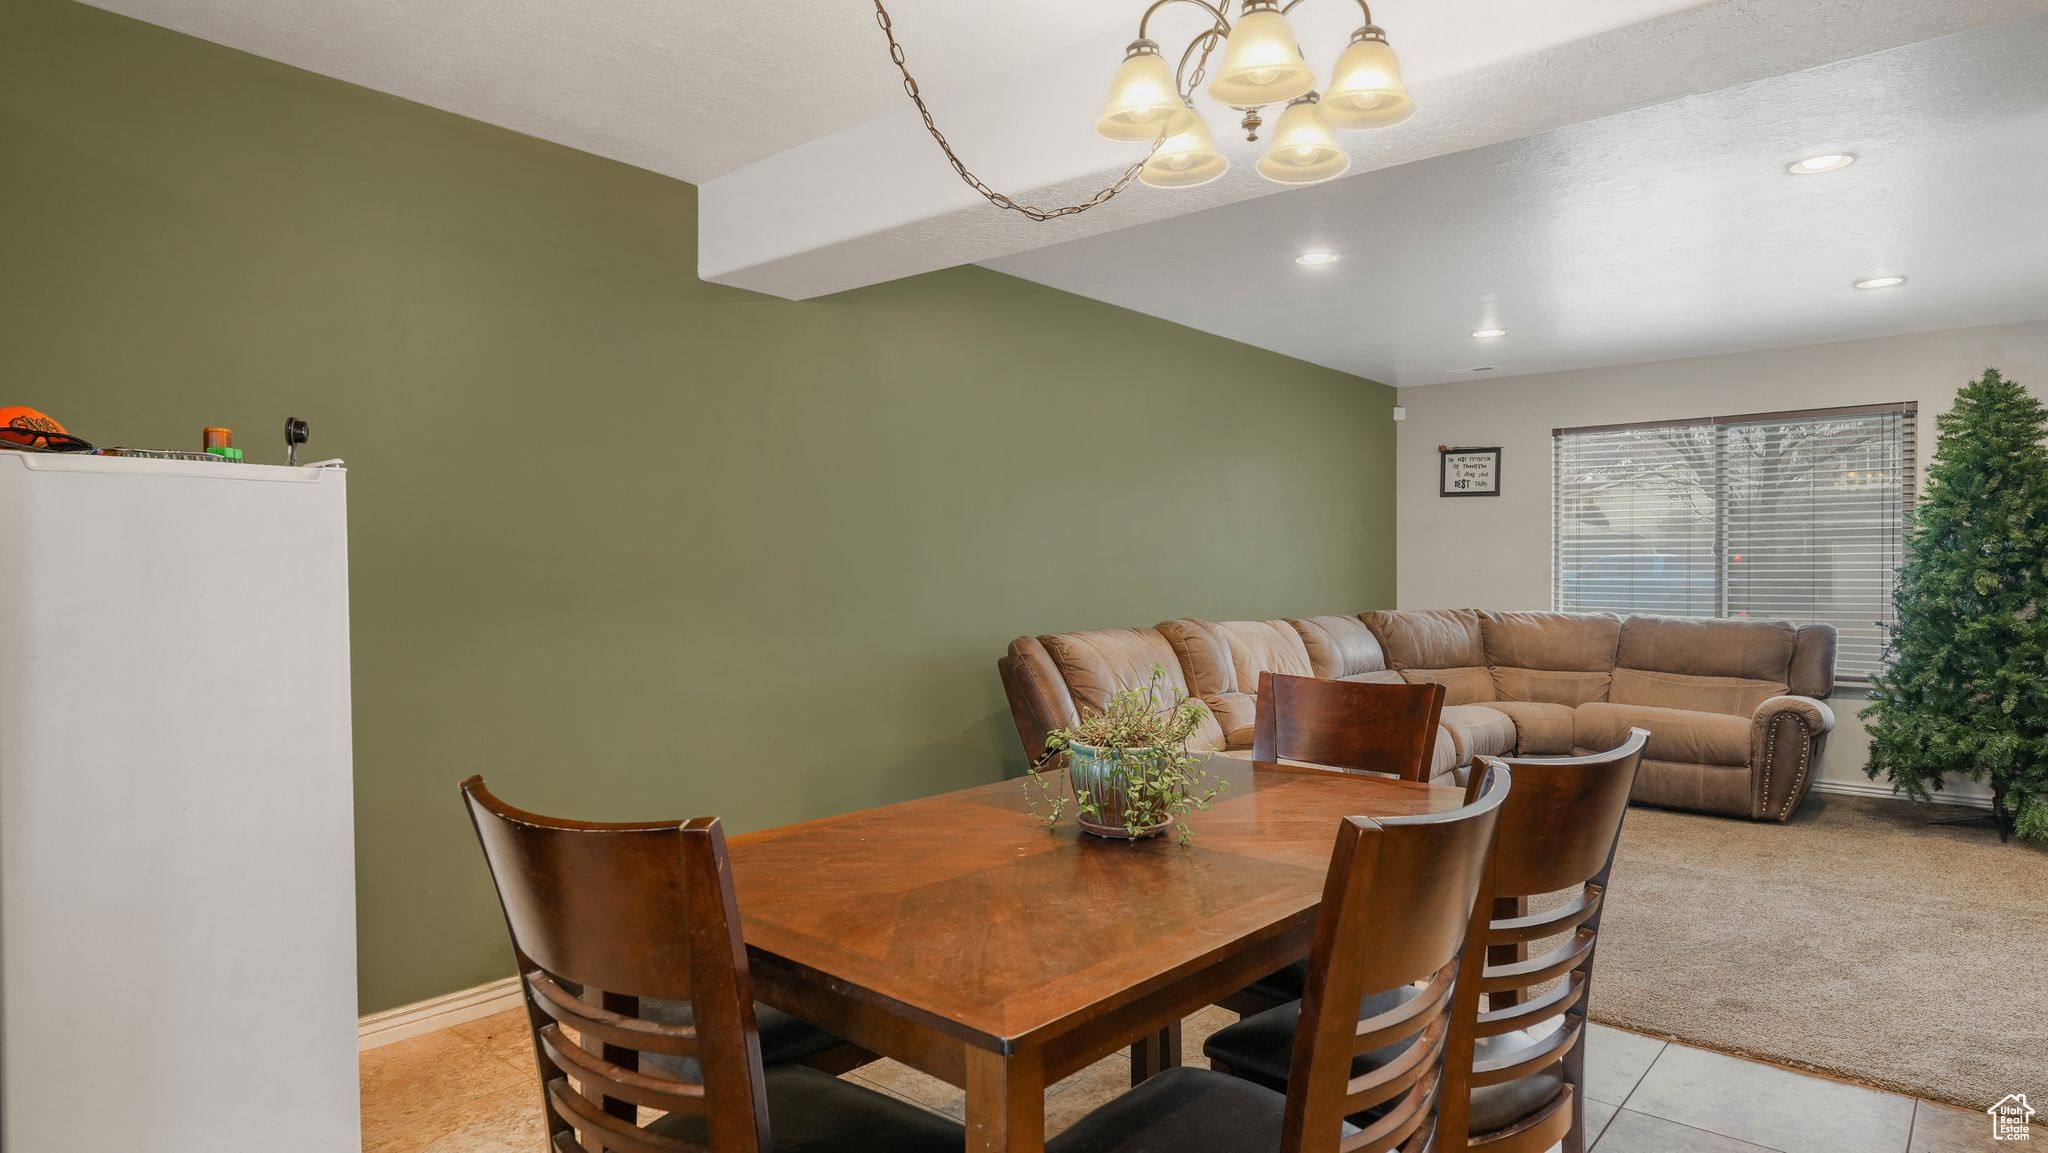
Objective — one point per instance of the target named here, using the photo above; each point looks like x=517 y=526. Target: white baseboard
x=434 y=1014
x=1875 y=789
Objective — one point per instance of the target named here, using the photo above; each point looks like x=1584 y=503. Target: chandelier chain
x=1000 y=200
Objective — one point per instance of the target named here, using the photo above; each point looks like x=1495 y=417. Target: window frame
x=1907 y=411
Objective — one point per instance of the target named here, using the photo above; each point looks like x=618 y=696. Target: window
x=1797 y=516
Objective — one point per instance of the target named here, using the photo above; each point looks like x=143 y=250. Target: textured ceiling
x=1601 y=177
x=896 y=210
x=686 y=88
x=1665 y=232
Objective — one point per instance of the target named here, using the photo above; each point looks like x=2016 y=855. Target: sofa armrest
x=1039 y=700
x=1786 y=735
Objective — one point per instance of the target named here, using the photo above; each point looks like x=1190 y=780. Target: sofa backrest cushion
x=1428 y=638
x=1098 y=662
x=1555 y=642
x=1265 y=647
x=1738 y=695
x=1463 y=686
x=1443 y=646
x=1721 y=666
x=1704 y=647
x=1555 y=658
x=1223 y=660
x=1340 y=647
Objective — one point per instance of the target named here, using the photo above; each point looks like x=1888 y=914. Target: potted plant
x=1130 y=767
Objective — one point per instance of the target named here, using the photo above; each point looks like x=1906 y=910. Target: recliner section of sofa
x=1734 y=707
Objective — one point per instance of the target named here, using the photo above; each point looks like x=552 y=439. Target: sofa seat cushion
x=1443 y=758
x=1737 y=695
x=1478 y=731
x=1541 y=729
x=1462 y=686
x=1695 y=787
x=1377 y=677
x=1675 y=734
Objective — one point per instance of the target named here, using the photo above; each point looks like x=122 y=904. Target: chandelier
x=1262 y=66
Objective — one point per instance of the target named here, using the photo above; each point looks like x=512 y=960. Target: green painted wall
x=627 y=543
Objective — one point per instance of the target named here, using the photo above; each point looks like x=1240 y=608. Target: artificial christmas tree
x=1964 y=689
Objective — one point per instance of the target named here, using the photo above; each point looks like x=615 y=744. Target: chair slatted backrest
x=1352 y=725
x=608 y=920
x=1396 y=911
x=1558 y=835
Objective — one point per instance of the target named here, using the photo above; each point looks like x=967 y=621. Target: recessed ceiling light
x=1814 y=165
x=1314 y=259
x=1488 y=333
x=1881 y=282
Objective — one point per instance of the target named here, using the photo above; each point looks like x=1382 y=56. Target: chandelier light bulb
x=1185 y=159
x=1144 y=102
x=1304 y=150
x=1365 y=87
x=1262 y=63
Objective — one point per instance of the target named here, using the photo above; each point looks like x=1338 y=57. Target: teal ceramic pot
x=1101 y=778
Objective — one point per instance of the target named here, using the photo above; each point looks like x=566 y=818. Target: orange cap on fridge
x=20 y=424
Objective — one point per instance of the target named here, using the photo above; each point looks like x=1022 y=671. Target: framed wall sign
x=1468 y=471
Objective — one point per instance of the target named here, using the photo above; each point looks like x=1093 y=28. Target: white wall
x=1494 y=552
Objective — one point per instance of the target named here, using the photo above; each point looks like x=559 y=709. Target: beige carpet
x=1856 y=940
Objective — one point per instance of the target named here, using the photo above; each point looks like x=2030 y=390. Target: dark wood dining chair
x=1509 y=1089
x=1351 y=725
x=1384 y=967
x=609 y=921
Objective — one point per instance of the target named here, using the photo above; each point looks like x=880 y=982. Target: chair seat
x=1260 y=1049
x=1285 y=985
x=785 y=1040
x=813 y=1112
x=1183 y=1110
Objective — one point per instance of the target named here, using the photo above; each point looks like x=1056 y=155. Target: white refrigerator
x=177 y=880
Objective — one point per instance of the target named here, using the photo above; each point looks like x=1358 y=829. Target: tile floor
x=470 y=1089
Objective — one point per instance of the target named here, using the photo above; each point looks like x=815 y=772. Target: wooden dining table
x=959 y=935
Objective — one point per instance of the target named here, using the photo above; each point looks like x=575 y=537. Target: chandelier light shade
x=1303 y=150
x=1185 y=160
x=1365 y=87
x=1262 y=63
x=1261 y=66
x=1144 y=101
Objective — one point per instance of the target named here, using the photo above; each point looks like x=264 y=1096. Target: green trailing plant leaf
x=1964 y=686
x=1146 y=732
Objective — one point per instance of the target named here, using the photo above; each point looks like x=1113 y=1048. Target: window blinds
x=1797 y=516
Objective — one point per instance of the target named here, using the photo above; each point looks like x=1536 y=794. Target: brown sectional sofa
x=1734 y=708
